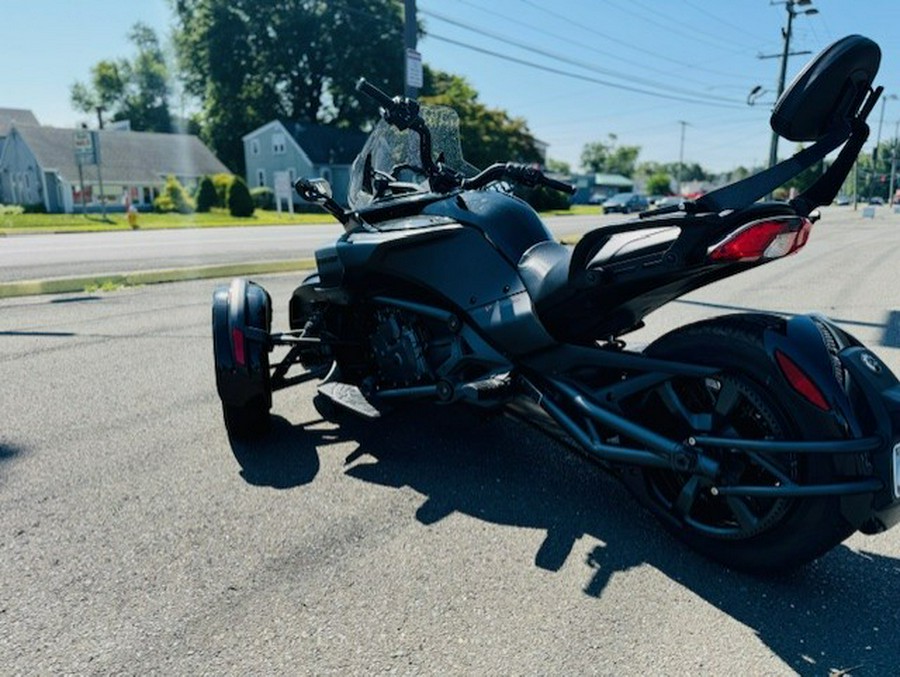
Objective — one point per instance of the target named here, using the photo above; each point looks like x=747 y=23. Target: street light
x=786 y=33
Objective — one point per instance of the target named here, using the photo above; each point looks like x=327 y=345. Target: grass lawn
x=12 y=224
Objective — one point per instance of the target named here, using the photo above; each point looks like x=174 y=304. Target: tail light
x=763 y=240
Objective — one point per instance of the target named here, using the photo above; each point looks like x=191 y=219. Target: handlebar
x=523 y=174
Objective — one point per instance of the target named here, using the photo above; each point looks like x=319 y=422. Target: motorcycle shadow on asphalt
x=837 y=614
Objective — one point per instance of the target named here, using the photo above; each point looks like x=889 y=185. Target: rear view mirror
x=828 y=91
x=314 y=190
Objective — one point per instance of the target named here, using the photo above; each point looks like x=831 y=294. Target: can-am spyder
x=760 y=441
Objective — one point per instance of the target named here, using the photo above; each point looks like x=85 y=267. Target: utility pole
x=413 y=72
x=894 y=164
x=786 y=52
x=681 y=157
x=884 y=100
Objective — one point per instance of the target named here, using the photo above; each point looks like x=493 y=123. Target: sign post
x=283 y=190
x=87 y=152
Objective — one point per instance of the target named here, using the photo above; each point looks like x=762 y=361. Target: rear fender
x=241 y=320
x=864 y=396
x=813 y=343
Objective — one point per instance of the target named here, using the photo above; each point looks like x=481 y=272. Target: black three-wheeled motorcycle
x=760 y=441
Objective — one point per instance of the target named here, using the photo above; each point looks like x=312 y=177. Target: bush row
x=219 y=190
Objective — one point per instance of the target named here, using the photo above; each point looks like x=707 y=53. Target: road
x=29 y=257
x=135 y=539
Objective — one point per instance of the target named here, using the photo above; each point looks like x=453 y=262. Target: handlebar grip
x=561 y=186
x=373 y=92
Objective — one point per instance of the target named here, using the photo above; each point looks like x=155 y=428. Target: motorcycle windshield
x=392 y=155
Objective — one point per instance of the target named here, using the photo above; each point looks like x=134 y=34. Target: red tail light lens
x=763 y=240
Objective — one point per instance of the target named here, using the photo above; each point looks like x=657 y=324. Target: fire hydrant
x=132 y=217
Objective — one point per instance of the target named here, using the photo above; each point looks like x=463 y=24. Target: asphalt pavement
x=135 y=538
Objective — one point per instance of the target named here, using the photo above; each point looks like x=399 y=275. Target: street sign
x=87 y=147
x=414 y=76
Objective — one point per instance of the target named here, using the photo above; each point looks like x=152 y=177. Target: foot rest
x=349 y=397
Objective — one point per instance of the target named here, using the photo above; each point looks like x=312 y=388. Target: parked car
x=842 y=201
x=625 y=203
x=876 y=200
x=668 y=201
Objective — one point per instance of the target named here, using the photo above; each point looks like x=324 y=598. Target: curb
x=64 y=285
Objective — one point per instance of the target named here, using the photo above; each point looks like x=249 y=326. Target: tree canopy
x=136 y=90
x=609 y=157
x=251 y=61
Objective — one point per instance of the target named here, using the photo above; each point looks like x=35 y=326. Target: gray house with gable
x=38 y=167
x=301 y=150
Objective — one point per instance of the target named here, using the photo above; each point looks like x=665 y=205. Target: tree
x=558 y=166
x=487 y=135
x=251 y=61
x=659 y=183
x=136 y=90
x=609 y=158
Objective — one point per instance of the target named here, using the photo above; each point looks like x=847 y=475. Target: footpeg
x=349 y=397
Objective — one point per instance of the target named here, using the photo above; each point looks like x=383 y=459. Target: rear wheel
x=748 y=399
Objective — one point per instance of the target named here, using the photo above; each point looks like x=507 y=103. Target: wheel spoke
x=742 y=513
x=688 y=495
x=696 y=422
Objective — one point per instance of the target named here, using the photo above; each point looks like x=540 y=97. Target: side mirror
x=318 y=191
x=314 y=190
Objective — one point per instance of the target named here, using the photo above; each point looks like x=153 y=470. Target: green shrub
x=222 y=183
x=240 y=203
x=263 y=197
x=35 y=208
x=12 y=209
x=206 y=195
x=173 y=198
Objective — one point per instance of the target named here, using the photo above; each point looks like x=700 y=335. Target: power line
x=627 y=45
x=564 y=59
x=567 y=40
x=585 y=78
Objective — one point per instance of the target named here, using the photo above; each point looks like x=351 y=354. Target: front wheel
x=747 y=399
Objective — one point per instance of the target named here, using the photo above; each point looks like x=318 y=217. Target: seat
x=544 y=267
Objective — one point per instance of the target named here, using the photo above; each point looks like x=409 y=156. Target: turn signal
x=763 y=240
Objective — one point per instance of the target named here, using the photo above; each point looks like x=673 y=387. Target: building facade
x=39 y=167
x=301 y=150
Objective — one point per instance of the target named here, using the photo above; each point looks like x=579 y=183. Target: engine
x=399 y=347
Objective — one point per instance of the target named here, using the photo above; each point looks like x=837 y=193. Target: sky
x=577 y=71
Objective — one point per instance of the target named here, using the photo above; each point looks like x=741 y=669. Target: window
x=254 y=146
x=278 y=146
x=292 y=175
x=260 y=177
